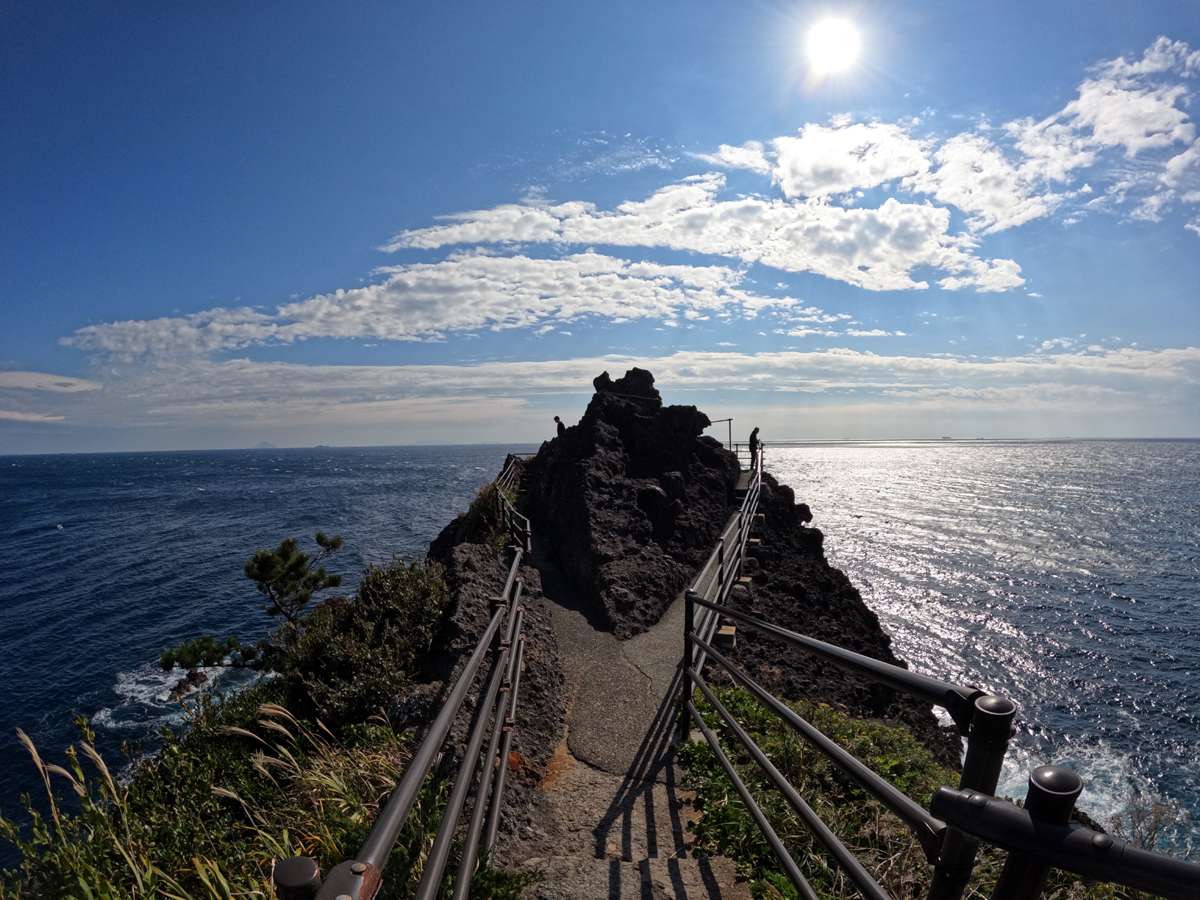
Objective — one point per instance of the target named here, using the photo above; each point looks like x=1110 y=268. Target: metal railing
x=1036 y=837
x=719 y=574
x=517 y=524
x=510 y=478
x=359 y=878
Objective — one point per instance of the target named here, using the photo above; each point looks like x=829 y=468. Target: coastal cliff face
x=633 y=499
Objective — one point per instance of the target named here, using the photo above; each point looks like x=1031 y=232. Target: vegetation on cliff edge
x=293 y=765
x=885 y=846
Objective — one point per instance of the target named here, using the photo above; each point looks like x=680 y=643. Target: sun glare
x=832 y=45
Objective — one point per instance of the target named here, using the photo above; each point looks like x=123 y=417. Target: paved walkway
x=613 y=807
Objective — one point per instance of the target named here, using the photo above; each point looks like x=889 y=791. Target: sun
x=832 y=45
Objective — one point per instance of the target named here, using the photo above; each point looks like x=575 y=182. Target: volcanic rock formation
x=633 y=497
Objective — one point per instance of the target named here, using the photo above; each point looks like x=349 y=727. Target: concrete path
x=613 y=807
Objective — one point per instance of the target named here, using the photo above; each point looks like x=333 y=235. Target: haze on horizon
x=390 y=225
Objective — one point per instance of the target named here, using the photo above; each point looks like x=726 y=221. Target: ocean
x=114 y=556
x=1062 y=575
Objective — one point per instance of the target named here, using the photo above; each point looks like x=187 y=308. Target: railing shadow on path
x=653 y=762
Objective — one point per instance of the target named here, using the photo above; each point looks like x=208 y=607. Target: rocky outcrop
x=633 y=497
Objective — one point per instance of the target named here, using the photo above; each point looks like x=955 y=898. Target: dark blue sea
x=1063 y=575
x=114 y=556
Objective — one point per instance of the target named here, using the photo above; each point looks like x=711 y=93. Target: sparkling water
x=1062 y=575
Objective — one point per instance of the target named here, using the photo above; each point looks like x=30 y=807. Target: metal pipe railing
x=466 y=866
x=493 y=820
x=435 y=863
x=1068 y=847
x=952 y=697
x=987 y=731
x=785 y=858
x=509 y=478
x=379 y=842
x=862 y=879
x=1037 y=837
x=360 y=878
x=928 y=830
x=720 y=585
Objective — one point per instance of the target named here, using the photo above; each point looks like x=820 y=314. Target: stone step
x=579 y=878
x=590 y=813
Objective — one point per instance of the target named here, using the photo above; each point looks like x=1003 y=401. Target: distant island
x=265 y=445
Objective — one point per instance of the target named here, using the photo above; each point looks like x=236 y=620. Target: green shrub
x=482 y=522
x=353 y=657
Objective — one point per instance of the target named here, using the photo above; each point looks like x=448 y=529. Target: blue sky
x=307 y=223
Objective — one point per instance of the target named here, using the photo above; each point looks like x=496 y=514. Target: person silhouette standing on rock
x=754 y=448
x=561 y=426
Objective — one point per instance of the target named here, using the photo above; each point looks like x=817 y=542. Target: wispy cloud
x=466 y=291
x=38 y=381
x=245 y=388
x=28 y=417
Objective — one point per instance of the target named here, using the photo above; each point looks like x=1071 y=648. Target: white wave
x=145 y=698
x=1109 y=777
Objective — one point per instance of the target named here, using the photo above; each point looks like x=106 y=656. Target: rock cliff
x=633 y=498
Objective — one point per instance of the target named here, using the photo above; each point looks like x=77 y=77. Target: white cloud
x=1134 y=118
x=974 y=175
x=28 y=417
x=1051 y=149
x=825 y=223
x=386 y=402
x=1151 y=208
x=824 y=161
x=425 y=301
x=871 y=248
x=749 y=156
x=1184 y=170
x=1161 y=56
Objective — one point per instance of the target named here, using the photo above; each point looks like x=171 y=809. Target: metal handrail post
x=721 y=566
x=987 y=742
x=689 y=623
x=1071 y=848
x=1053 y=791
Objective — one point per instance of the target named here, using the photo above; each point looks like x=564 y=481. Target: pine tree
x=289 y=578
